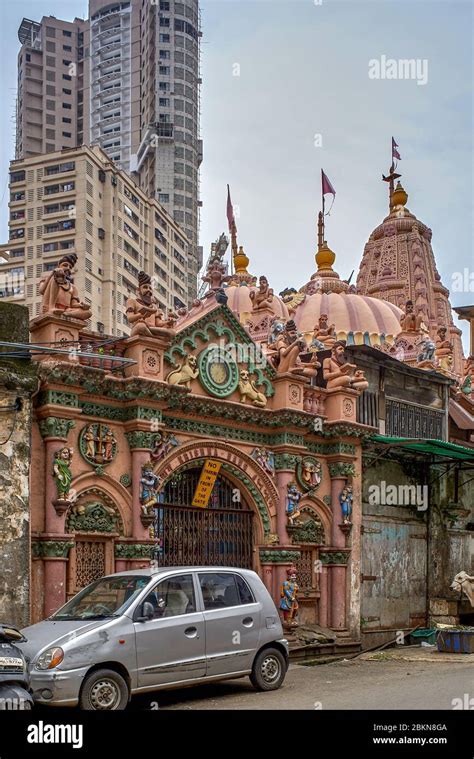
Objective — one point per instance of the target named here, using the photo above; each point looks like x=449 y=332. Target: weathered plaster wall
x=17 y=383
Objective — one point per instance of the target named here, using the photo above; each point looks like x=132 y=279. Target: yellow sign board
x=206 y=483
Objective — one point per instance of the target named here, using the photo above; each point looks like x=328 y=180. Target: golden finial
x=399 y=197
x=241 y=262
x=325 y=258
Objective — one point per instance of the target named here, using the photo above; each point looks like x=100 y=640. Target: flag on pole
x=230 y=211
x=395 y=154
x=328 y=189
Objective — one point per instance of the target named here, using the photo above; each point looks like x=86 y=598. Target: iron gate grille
x=221 y=534
x=195 y=536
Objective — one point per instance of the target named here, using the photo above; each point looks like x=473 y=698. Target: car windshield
x=107 y=597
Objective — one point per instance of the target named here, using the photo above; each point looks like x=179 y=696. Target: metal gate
x=221 y=534
x=89 y=562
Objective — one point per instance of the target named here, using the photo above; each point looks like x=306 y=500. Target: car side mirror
x=148 y=612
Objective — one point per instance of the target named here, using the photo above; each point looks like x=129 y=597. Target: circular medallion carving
x=309 y=473
x=97 y=444
x=218 y=372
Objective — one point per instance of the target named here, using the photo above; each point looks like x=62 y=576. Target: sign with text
x=206 y=482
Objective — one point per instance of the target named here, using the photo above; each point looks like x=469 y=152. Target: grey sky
x=304 y=71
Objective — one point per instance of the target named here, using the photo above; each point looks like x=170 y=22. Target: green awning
x=427 y=447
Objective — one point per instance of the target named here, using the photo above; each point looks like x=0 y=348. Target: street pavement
x=383 y=683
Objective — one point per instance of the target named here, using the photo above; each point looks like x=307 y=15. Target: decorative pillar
x=141 y=443
x=323 y=599
x=55 y=555
x=337 y=559
x=277 y=560
x=285 y=464
x=54 y=431
x=131 y=554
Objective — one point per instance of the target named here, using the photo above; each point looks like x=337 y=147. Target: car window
x=246 y=595
x=173 y=596
x=223 y=589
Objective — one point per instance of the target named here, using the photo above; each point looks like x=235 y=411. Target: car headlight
x=50 y=658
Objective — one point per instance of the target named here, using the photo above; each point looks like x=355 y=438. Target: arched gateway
x=239 y=515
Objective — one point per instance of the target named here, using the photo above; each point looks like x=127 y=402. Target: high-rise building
x=128 y=80
x=77 y=201
x=51 y=113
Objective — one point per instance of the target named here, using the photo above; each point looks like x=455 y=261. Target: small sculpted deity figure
x=293 y=498
x=311 y=473
x=324 y=335
x=62 y=472
x=108 y=443
x=288 y=346
x=263 y=297
x=289 y=598
x=265 y=458
x=338 y=373
x=149 y=487
x=144 y=314
x=91 y=440
x=60 y=295
x=164 y=443
x=425 y=357
x=345 y=499
x=409 y=322
x=444 y=351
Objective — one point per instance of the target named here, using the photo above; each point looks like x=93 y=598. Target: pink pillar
x=323 y=600
x=338 y=539
x=139 y=457
x=338 y=587
x=53 y=522
x=55 y=584
x=338 y=573
x=267 y=577
x=283 y=478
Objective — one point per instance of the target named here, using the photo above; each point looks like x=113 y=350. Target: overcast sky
x=278 y=73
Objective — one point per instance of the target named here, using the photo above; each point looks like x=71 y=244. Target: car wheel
x=104 y=690
x=269 y=669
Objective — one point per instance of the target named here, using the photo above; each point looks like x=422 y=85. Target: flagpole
x=321 y=226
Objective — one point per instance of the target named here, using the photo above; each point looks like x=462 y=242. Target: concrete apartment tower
x=127 y=79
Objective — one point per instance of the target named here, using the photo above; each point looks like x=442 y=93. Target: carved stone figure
x=309 y=473
x=62 y=473
x=186 y=372
x=427 y=351
x=276 y=328
x=60 y=295
x=289 y=598
x=288 y=347
x=409 y=322
x=163 y=445
x=293 y=497
x=144 y=314
x=149 y=487
x=265 y=458
x=247 y=389
x=97 y=444
x=263 y=297
x=345 y=499
x=324 y=335
x=444 y=351
x=338 y=373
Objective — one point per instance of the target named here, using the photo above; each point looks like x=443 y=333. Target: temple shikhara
x=253 y=430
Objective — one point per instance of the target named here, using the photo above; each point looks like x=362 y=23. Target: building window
x=67 y=134
x=164 y=22
x=165 y=54
x=17 y=176
x=66 y=91
x=164 y=70
x=67 y=48
x=66 y=120
x=163 y=197
x=66 y=34
x=164 y=38
x=67 y=77
x=60 y=168
x=67 y=106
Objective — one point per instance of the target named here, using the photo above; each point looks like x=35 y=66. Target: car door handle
x=247 y=621
x=191 y=632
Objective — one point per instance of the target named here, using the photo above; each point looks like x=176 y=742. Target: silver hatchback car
x=147 y=629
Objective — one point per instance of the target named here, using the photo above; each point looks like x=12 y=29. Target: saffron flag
x=328 y=189
x=395 y=153
x=230 y=211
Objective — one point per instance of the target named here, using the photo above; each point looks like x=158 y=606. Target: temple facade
x=247 y=431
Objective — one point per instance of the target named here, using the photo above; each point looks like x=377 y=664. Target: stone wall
x=17 y=384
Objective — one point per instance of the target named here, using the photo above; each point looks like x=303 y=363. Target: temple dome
x=358 y=319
